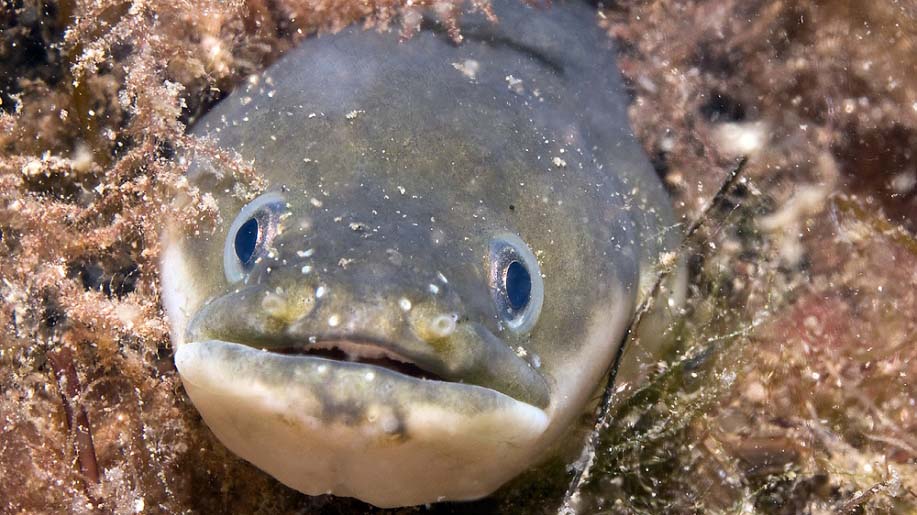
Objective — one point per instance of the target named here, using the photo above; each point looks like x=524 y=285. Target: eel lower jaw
x=360 y=430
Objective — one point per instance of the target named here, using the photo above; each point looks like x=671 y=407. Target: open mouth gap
x=335 y=352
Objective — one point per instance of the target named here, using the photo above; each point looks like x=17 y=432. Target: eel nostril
x=443 y=325
x=433 y=326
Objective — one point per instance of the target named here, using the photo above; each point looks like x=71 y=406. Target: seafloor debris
x=793 y=388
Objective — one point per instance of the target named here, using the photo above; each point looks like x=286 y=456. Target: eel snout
x=426 y=342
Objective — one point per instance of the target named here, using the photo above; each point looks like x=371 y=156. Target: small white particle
x=388 y=422
x=405 y=304
x=315 y=202
x=320 y=292
x=369 y=376
x=434 y=289
x=334 y=320
x=468 y=67
x=306 y=269
x=514 y=84
x=442 y=277
x=744 y=138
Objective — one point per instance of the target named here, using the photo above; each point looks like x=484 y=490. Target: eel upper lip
x=359 y=350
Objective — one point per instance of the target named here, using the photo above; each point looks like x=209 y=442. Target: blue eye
x=518 y=285
x=246 y=241
x=515 y=282
x=251 y=234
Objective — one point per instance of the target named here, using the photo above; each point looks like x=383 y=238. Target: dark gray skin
x=399 y=165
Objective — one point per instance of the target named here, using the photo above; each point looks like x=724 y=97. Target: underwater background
x=785 y=131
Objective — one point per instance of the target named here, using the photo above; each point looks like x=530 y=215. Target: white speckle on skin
x=434 y=289
x=468 y=67
x=315 y=202
x=442 y=278
x=306 y=269
x=559 y=163
x=334 y=320
x=320 y=292
x=273 y=304
x=514 y=85
x=388 y=422
x=404 y=304
x=369 y=376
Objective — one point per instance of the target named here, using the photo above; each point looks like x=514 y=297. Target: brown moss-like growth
x=794 y=389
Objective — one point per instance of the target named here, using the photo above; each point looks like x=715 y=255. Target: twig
x=581 y=473
x=857 y=500
x=77 y=420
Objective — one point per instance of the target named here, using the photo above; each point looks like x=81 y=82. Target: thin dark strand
x=605 y=407
x=68 y=383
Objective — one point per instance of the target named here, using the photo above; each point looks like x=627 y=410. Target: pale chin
x=290 y=417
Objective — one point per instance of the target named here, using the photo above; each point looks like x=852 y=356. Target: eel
x=436 y=280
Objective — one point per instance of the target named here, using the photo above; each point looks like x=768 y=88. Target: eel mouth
x=471 y=354
x=363 y=352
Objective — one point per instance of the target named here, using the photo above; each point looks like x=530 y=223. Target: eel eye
x=518 y=284
x=250 y=234
x=246 y=241
x=515 y=282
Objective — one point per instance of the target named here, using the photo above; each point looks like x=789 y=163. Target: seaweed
x=791 y=387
